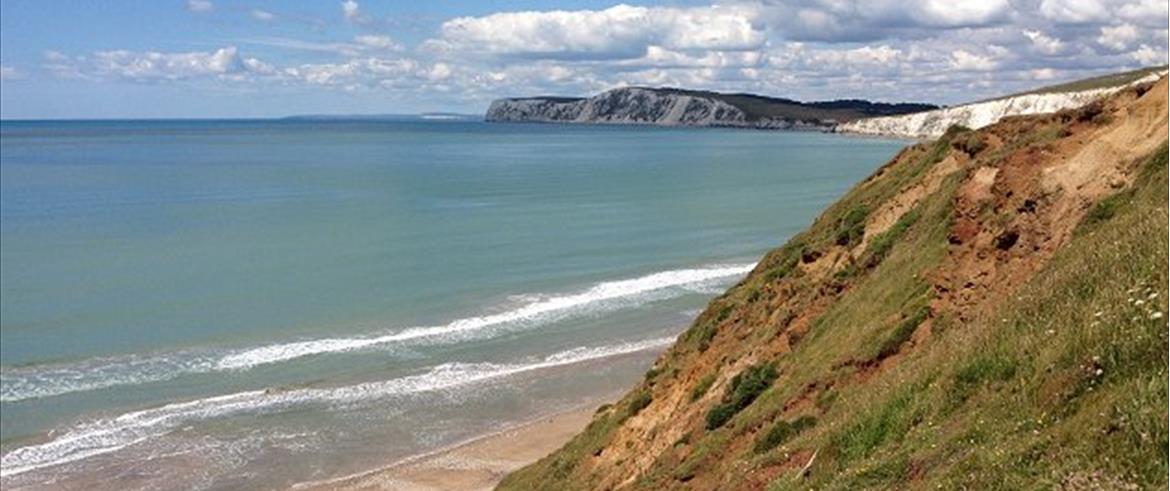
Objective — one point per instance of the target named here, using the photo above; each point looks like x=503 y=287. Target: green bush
x=638 y=403
x=852 y=226
x=720 y=415
x=782 y=432
x=743 y=390
x=701 y=388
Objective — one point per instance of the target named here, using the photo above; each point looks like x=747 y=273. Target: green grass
x=1063 y=384
x=782 y=431
x=1062 y=381
x=1111 y=80
x=902 y=333
x=880 y=246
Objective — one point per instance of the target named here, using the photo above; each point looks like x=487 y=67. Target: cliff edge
x=677 y=107
x=986 y=311
x=933 y=123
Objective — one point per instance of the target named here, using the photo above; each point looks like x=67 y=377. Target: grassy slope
x=1103 y=81
x=1061 y=383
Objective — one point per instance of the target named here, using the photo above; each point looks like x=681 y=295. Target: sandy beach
x=475 y=465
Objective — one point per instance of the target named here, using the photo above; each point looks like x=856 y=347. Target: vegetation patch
x=882 y=243
x=902 y=333
x=700 y=389
x=782 y=432
x=977 y=373
x=638 y=402
x=743 y=390
x=890 y=421
x=852 y=226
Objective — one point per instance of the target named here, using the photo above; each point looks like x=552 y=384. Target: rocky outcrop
x=673 y=107
x=932 y=124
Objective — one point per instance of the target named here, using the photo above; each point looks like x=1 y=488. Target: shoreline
x=475 y=464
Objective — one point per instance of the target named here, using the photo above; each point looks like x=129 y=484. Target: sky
x=220 y=58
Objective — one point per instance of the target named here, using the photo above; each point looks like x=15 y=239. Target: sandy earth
x=476 y=465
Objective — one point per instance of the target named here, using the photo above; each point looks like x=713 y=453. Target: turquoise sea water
x=250 y=304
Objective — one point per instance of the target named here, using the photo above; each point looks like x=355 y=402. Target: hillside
x=678 y=107
x=933 y=123
x=986 y=311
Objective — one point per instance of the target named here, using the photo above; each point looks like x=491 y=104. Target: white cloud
x=911 y=50
x=1118 y=38
x=1074 y=11
x=966 y=60
x=1043 y=43
x=619 y=32
x=1044 y=74
x=1149 y=56
x=9 y=72
x=144 y=66
x=375 y=41
x=1152 y=13
x=845 y=21
x=200 y=6
x=263 y=15
x=353 y=12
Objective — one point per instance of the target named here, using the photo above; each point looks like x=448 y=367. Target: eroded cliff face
x=932 y=124
x=640 y=106
x=986 y=311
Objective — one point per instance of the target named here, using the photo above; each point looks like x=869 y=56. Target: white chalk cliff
x=932 y=124
x=639 y=106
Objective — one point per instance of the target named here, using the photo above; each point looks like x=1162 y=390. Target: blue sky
x=219 y=58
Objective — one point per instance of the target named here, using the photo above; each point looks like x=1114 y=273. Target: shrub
x=720 y=415
x=638 y=403
x=701 y=388
x=743 y=390
x=851 y=227
x=782 y=432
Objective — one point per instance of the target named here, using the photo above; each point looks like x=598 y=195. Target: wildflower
x=1152 y=296
x=1155 y=316
x=1099 y=372
x=1139 y=302
x=1098 y=314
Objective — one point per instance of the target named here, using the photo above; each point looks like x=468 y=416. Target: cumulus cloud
x=966 y=60
x=1043 y=43
x=263 y=15
x=1074 y=11
x=1149 y=56
x=353 y=12
x=146 y=66
x=924 y=50
x=844 y=21
x=1118 y=38
x=619 y=32
x=200 y=6
x=375 y=41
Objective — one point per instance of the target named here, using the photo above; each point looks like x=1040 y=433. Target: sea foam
x=33 y=382
x=104 y=436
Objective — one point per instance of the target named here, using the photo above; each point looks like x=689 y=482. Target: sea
x=252 y=304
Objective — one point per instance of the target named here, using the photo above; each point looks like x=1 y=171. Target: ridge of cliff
x=678 y=107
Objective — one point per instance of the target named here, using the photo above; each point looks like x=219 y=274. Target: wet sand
x=475 y=465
